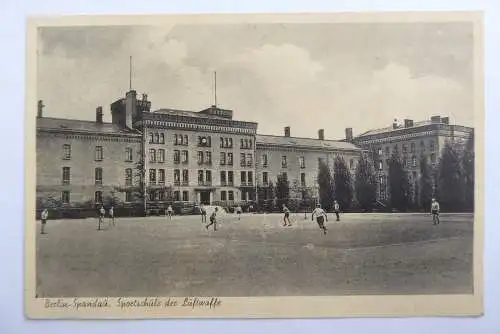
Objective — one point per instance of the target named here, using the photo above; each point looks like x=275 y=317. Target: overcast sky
x=307 y=76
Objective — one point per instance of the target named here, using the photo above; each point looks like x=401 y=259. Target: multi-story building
x=410 y=140
x=298 y=159
x=82 y=161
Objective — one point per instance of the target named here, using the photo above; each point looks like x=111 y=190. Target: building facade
x=410 y=141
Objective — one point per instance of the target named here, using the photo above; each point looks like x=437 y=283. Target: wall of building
x=82 y=164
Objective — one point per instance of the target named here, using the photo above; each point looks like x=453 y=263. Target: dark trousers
x=337 y=213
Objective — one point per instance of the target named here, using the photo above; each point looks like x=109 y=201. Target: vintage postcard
x=254 y=166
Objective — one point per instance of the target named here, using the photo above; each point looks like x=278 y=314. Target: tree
x=399 y=185
x=468 y=168
x=137 y=189
x=282 y=189
x=342 y=183
x=451 y=179
x=426 y=184
x=365 y=184
x=326 y=187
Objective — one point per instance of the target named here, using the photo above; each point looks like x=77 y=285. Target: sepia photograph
x=294 y=165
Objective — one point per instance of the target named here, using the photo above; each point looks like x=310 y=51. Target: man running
x=435 y=212
x=213 y=219
x=286 y=217
x=239 y=210
x=203 y=213
x=336 y=208
x=320 y=217
x=169 y=212
x=44 y=216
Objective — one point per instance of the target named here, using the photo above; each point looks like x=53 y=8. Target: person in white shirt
x=102 y=213
x=203 y=212
x=239 y=210
x=286 y=218
x=435 y=211
x=321 y=216
x=112 y=215
x=44 y=216
x=169 y=212
x=336 y=208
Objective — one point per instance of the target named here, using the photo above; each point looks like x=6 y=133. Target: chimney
x=130 y=108
x=435 y=119
x=408 y=123
x=287 y=131
x=40 y=109
x=348 y=134
x=445 y=120
x=395 y=124
x=98 y=115
x=321 y=134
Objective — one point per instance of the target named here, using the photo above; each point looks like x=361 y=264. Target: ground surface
x=256 y=256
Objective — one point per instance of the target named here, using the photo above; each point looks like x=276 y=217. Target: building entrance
x=205 y=197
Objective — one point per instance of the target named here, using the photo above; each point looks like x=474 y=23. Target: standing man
x=169 y=211
x=336 y=208
x=286 y=211
x=102 y=212
x=213 y=219
x=112 y=215
x=203 y=212
x=320 y=217
x=239 y=210
x=44 y=216
x=435 y=212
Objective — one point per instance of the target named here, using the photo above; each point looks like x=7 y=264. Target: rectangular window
x=230 y=159
x=161 y=155
x=265 y=178
x=128 y=177
x=186 y=140
x=283 y=161
x=200 y=157
x=161 y=195
x=176 y=140
x=222 y=158
x=302 y=162
x=208 y=177
x=128 y=196
x=221 y=142
x=264 y=160
x=230 y=144
x=177 y=156
x=380 y=165
x=250 y=178
x=230 y=195
x=152 y=155
x=177 y=177
x=242 y=159
x=152 y=176
x=151 y=138
x=65 y=197
x=152 y=195
x=243 y=178
x=185 y=176
x=405 y=148
x=66 y=152
x=432 y=146
x=98 y=175
x=185 y=196
x=177 y=195
x=162 y=138
x=302 y=179
x=249 y=160
x=98 y=153
x=98 y=197
x=223 y=181
x=412 y=147
x=200 y=177
x=208 y=159
x=223 y=195
x=184 y=157
x=128 y=154
x=66 y=175
x=161 y=176
x=230 y=178
x=157 y=137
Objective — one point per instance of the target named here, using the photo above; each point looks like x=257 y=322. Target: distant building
x=410 y=140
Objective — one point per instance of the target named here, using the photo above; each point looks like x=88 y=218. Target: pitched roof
x=390 y=128
x=62 y=124
x=187 y=113
x=305 y=142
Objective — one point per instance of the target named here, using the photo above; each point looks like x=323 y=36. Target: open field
x=256 y=256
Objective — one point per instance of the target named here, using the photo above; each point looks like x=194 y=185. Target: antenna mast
x=215 y=88
x=130 y=73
